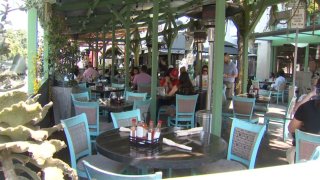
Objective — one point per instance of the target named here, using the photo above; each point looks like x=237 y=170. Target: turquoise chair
x=306 y=144
x=82 y=85
x=283 y=118
x=77 y=133
x=144 y=106
x=185 y=111
x=279 y=93
x=132 y=96
x=263 y=107
x=84 y=96
x=96 y=173
x=243 y=109
x=91 y=109
x=244 y=142
x=115 y=85
x=123 y=119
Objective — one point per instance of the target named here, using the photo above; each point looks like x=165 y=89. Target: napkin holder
x=136 y=141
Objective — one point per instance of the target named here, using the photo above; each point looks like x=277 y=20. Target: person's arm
x=173 y=91
x=294 y=124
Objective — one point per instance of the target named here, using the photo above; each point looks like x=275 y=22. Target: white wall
x=264 y=57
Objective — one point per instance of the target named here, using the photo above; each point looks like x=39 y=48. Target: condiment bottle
x=145 y=130
x=133 y=128
x=140 y=129
x=150 y=131
x=157 y=131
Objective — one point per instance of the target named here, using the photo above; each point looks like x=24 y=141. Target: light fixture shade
x=199 y=36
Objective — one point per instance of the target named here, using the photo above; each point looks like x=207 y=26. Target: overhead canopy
x=309 y=35
x=85 y=18
x=229 y=48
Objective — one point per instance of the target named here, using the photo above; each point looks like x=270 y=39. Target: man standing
x=230 y=72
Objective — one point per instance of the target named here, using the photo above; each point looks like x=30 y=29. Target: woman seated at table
x=170 y=80
x=184 y=88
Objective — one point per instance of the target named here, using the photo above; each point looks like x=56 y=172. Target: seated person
x=142 y=77
x=184 y=88
x=279 y=81
x=196 y=81
x=90 y=74
x=170 y=80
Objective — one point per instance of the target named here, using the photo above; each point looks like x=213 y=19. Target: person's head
x=90 y=65
x=144 y=68
x=184 y=79
x=183 y=69
x=312 y=66
x=226 y=58
x=281 y=73
x=204 y=69
x=135 y=70
x=174 y=73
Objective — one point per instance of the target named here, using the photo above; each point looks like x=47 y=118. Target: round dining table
x=206 y=148
x=104 y=91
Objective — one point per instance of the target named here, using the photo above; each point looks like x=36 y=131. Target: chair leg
x=277 y=98
x=266 y=122
x=285 y=130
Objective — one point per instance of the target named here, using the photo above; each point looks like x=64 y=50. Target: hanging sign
x=298 y=19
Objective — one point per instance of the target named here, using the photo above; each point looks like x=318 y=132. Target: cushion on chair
x=243 y=142
x=220 y=166
x=275 y=115
x=242 y=107
x=79 y=137
x=186 y=105
x=306 y=149
x=126 y=122
x=101 y=162
x=89 y=111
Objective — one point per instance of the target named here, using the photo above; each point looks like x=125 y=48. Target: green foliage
x=22 y=141
x=17 y=41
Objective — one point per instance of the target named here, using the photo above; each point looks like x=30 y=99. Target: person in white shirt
x=196 y=81
x=279 y=81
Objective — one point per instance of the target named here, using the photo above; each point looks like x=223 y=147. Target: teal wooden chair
x=84 y=96
x=82 y=85
x=283 y=118
x=123 y=119
x=244 y=142
x=306 y=144
x=144 y=106
x=96 y=173
x=243 y=109
x=185 y=111
x=132 y=96
x=279 y=93
x=115 y=85
x=91 y=109
x=77 y=134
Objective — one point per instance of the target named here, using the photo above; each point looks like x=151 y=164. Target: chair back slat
x=123 y=119
x=306 y=143
x=96 y=173
x=84 y=96
x=244 y=142
x=90 y=112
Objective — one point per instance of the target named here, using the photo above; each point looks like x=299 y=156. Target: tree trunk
x=240 y=64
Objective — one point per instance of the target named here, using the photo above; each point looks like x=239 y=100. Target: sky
x=18 y=19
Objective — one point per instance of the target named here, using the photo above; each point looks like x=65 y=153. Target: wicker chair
x=123 y=119
x=306 y=144
x=144 y=106
x=243 y=109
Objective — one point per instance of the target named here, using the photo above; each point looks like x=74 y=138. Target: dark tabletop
x=114 y=107
x=206 y=148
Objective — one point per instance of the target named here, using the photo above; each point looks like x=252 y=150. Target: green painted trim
x=218 y=68
x=45 y=57
x=306 y=59
x=32 y=47
x=155 y=54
